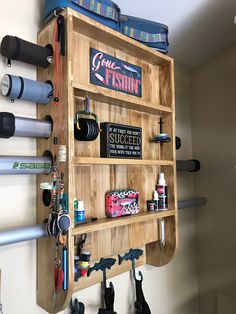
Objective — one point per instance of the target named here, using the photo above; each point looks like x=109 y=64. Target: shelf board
x=108 y=223
x=117 y=161
x=118 y=99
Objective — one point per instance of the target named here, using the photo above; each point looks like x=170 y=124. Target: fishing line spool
x=86 y=129
x=14 y=48
x=17 y=87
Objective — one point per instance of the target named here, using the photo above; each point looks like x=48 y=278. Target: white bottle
x=156 y=199
x=162 y=191
x=80 y=211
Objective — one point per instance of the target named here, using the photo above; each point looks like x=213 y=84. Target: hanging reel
x=86 y=129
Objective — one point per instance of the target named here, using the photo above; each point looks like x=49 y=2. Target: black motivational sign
x=113 y=73
x=120 y=141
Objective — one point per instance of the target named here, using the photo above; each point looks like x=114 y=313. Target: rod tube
x=25 y=165
x=192 y=165
x=15 y=48
x=17 y=87
x=198 y=201
x=25 y=127
x=16 y=235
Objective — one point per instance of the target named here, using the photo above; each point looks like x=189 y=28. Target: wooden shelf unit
x=87 y=176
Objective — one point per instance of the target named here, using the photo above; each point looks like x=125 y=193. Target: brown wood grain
x=87 y=176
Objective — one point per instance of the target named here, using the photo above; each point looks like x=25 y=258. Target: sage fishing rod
x=25 y=165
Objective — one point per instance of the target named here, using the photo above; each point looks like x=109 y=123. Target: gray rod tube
x=32 y=127
x=198 y=201
x=25 y=165
x=16 y=235
x=192 y=165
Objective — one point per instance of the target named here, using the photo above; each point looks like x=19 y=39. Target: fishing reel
x=86 y=129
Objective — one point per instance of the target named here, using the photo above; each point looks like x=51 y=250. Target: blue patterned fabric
x=106 y=10
x=144 y=36
x=152 y=34
x=103 y=11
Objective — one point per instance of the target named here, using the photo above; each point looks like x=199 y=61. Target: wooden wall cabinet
x=87 y=176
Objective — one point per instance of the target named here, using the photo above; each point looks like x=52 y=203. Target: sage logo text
x=31 y=165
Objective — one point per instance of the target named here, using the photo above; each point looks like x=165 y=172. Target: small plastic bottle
x=75 y=205
x=80 y=212
x=162 y=191
x=156 y=199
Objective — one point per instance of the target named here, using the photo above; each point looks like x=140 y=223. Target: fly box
x=122 y=203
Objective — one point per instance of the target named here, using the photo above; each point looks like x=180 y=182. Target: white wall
x=17 y=194
x=169 y=290
x=213 y=124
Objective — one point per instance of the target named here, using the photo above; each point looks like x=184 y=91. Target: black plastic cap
x=7 y=124
x=178 y=142
x=9 y=47
x=47 y=197
x=197 y=165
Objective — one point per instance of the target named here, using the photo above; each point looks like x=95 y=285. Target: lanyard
x=59 y=52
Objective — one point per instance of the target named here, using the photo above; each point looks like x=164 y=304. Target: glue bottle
x=162 y=191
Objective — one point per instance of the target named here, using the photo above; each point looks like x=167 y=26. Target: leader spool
x=14 y=48
x=86 y=130
x=17 y=87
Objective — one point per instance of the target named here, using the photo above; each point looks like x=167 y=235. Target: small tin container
x=151 y=205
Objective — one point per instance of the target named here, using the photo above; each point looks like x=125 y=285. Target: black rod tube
x=198 y=201
x=192 y=165
x=15 y=48
x=16 y=235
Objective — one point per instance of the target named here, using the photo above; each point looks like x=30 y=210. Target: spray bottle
x=162 y=191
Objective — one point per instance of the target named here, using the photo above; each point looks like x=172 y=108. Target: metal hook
x=83 y=238
x=104 y=274
x=81 y=243
x=104 y=280
x=55 y=13
x=134 y=273
x=87 y=104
